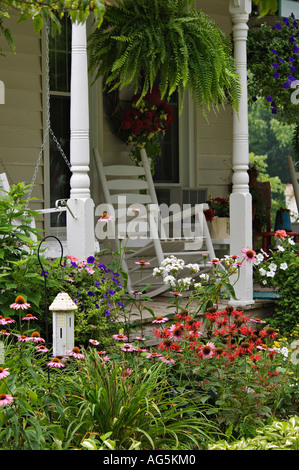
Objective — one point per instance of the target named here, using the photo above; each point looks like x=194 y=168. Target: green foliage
x=266 y=6
x=273 y=67
x=135 y=409
x=6 y=31
x=15 y=229
x=278 y=435
x=269 y=136
x=168 y=42
x=280 y=271
x=48 y=10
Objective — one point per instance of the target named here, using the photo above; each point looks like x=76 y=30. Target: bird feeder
x=63 y=323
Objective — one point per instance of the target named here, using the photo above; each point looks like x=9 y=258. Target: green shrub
x=279 y=435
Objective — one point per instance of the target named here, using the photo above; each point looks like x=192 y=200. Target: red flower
x=209 y=214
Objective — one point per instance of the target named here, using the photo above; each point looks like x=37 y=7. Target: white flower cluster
x=170 y=269
x=271 y=270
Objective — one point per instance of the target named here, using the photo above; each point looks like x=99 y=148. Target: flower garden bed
x=206 y=376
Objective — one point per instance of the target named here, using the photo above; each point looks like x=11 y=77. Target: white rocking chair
x=127 y=188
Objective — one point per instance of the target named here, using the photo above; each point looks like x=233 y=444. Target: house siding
x=21 y=117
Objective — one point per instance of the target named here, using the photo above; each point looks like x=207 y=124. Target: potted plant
x=218 y=216
x=166 y=43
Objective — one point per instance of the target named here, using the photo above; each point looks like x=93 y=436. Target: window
x=60 y=71
x=167 y=165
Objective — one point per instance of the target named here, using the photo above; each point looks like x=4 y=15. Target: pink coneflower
x=101 y=353
x=257 y=320
x=94 y=342
x=23 y=338
x=120 y=337
x=215 y=261
x=106 y=359
x=105 y=217
x=176 y=331
x=126 y=373
x=160 y=320
x=249 y=255
x=208 y=350
x=5 y=399
x=4 y=333
x=75 y=352
x=280 y=234
x=29 y=317
x=42 y=348
x=140 y=349
x=55 y=363
x=127 y=347
x=177 y=294
x=142 y=262
x=167 y=360
x=7 y=321
x=20 y=303
x=36 y=338
x=138 y=338
x=3 y=373
x=152 y=355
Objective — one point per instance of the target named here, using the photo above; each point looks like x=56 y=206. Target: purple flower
x=275 y=65
x=281 y=60
x=121 y=305
x=44 y=273
x=291 y=59
x=278 y=26
x=286 y=85
x=111 y=292
x=254 y=98
x=96 y=283
x=90 y=259
x=291 y=78
x=90 y=294
x=269 y=99
x=274 y=51
x=107 y=312
x=295 y=49
x=276 y=74
x=292 y=69
x=74 y=264
x=292 y=39
x=274 y=111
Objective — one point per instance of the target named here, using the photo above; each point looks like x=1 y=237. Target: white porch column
x=80 y=230
x=240 y=200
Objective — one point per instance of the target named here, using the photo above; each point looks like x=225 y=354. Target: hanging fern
x=141 y=40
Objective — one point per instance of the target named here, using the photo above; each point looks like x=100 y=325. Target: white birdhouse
x=63 y=323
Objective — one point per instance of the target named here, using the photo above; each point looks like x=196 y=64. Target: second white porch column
x=240 y=200
x=80 y=230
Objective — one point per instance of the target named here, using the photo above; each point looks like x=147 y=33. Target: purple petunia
x=276 y=74
x=286 y=85
x=295 y=49
x=275 y=65
x=90 y=259
x=269 y=99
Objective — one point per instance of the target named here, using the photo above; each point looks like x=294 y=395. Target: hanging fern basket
x=143 y=43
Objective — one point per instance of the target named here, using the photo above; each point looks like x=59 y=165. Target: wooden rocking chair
x=148 y=236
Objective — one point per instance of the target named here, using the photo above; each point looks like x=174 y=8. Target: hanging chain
x=48 y=129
